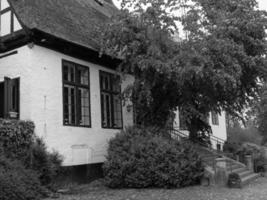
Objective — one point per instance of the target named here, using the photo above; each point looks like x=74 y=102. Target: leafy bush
x=46 y=164
x=18 y=183
x=242 y=135
x=260 y=161
x=234 y=180
x=140 y=158
x=16 y=137
x=19 y=142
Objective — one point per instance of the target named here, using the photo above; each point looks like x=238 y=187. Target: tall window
x=8 y=20
x=76 y=95
x=214 y=118
x=111 y=108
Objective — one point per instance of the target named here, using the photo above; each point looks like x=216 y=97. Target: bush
x=46 y=164
x=18 y=142
x=139 y=159
x=16 y=137
x=242 y=135
x=18 y=183
x=234 y=180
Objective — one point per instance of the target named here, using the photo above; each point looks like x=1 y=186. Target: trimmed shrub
x=140 y=158
x=18 y=183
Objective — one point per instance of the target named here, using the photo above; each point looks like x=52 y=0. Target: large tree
x=216 y=65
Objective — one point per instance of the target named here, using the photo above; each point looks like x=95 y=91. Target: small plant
x=234 y=180
x=141 y=158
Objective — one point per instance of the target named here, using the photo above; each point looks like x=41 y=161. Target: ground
x=257 y=190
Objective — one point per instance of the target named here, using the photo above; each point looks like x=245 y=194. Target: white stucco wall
x=219 y=130
x=40 y=70
x=18 y=65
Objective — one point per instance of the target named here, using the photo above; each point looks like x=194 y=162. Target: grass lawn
x=257 y=190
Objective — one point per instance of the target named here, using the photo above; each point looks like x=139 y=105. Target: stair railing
x=179 y=135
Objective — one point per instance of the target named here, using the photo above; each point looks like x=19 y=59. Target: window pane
x=117 y=112
x=69 y=72
x=83 y=107
x=69 y=105
x=17 y=25
x=4 y=4
x=6 y=23
x=116 y=86
x=215 y=118
x=106 y=110
x=83 y=75
x=105 y=82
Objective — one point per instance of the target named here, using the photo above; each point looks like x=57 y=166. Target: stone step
x=245 y=180
x=245 y=173
x=246 y=176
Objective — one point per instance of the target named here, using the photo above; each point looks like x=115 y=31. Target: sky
x=262 y=4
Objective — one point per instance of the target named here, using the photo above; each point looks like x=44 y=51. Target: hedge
x=140 y=158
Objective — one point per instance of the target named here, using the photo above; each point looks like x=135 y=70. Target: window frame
x=76 y=87
x=112 y=93
x=215 y=118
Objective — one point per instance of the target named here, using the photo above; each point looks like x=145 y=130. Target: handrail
x=228 y=160
x=212 y=137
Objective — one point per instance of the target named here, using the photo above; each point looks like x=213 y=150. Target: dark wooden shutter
x=11 y=100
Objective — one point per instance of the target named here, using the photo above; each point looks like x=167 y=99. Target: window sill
x=77 y=126
x=112 y=128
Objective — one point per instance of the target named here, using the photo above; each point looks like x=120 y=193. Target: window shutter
x=11 y=100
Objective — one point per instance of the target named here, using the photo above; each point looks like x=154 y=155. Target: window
x=9 y=98
x=111 y=108
x=8 y=20
x=214 y=118
x=76 y=95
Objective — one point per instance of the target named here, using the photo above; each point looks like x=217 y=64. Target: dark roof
x=75 y=21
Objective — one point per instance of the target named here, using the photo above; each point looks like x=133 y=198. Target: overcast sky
x=262 y=4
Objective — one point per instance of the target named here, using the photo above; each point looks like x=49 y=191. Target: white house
x=51 y=73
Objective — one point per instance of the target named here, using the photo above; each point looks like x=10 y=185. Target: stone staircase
x=209 y=157
x=232 y=166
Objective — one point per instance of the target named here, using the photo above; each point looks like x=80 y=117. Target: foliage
x=261 y=110
x=141 y=158
x=46 y=164
x=19 y=142
x=239 y=150
x=16 y=137
x=260 y=162
x=215 y=67
x=238 y=134
x=234 y=180
x=18 y=183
